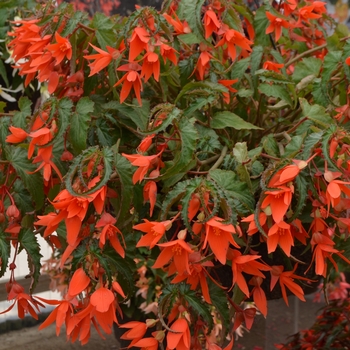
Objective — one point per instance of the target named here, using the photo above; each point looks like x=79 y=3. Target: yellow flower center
x=177 y=250
x=217 y=231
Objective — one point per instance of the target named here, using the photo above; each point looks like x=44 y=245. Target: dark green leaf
x=191 y=10
x=80 y=122
x=239 y=68
x=189 y=38
x=270 y=146
x=29 y=243
x=73 y=22
x=293 y=147
x=316 y=113
x=277 y=91
x=124 y=170
x=19 y=118
x=104 y=30
x=5 y=250
x=307 y=66
x=260 y=24
x=188 y=136
x=310 y=142
x=234 y=188
x=222 y=120
x=32 y=182
x=3 y=73
x=255 y=61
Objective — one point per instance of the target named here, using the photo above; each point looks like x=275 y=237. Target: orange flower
x=227 y=84
x=323 y=248
x=279 y=201
x=130 y=80
x=180 y=27
x=150 y=194
x=203 y=63
x=151 y=65
x=45 y=157
x=110 y=232
x=136 y=331
x=234 y=38
x=276 y=25
x=196 y=276
x=276 y=67
x=61 y=49
x=286 y=279
x=181 y=337
x=335 y=188
x=247 y=264
x=211 y=23
x=178 y=250
x=280 y=234
x=40 y=138
x=259 y=295
x=252 y=225
x=219 y=236
x=18 y=135
x=145 y=163
x=78 y=283
x=102 y=59
x=138 y=42
x=147 y=344
x=61 y=314
x=168 y=52
x=154 y=232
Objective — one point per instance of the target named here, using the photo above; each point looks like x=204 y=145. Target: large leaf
x=331 y=63
x=32 y=182
x=234 y=188
x=260 y=24
x=29 y=243
x=80 y=123
x=255 y=62
x=124 y=170
x=5 y=250
x=316 y=113
x=185 y=154
x=307 y=66
x=190 y=10
x=19 y=118
x=137 y=114
x=222 y=120
x=277 y=91
x=103 y=30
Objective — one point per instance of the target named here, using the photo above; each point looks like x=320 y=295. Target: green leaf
x=209 y=140
x=3 y=73
x=222 y=120
x=5 y=250
x=276 y=91
x=19 y=118
x=272 y=77
x=219 y=300
x=316 y=113
x=80 y=123
x=198 y=104
x=294 y=146
x=346 y=54
x=199 y=307
x=137 y=114
x=29 y=243
x=234 y=188
x=73 y=22
x=106 y=135
x=104 y=32
x=255 y=62
x=301 y=194
x=191 y=10
x=189 y=38
x=330 y=64
x=189 y=137
x=23 y=167
x=79 y=162
x=198 y=85
x=240 y=152
x=270 y=146
x=124 y=171
x=260 y=24
x=307 y=66
x=239 y=68
x=310 y=142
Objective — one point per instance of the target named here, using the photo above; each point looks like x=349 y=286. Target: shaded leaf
x=222 y=120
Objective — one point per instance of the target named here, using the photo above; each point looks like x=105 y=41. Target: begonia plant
x=178 y=162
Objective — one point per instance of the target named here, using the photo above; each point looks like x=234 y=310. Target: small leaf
x=240 y=152
x=293 y=147
x=189 y=38
x=219 y=300
x=222 y=120
x=19 y=118
x=103 y=30
x=307 y=66
x=270 y=146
